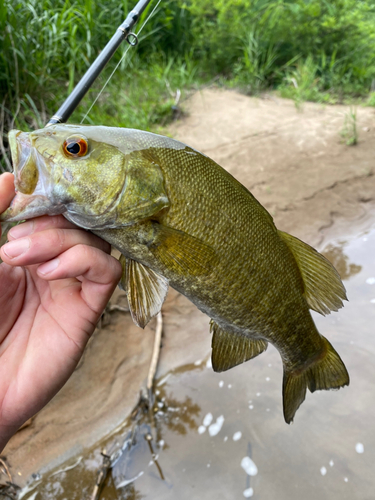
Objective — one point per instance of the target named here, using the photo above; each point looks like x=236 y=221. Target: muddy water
x=222 y=436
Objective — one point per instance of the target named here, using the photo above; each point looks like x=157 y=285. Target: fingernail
x=16 y=248
x=21 y=230
x=48 y=267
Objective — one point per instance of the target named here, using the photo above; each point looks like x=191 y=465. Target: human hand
x=49 y=308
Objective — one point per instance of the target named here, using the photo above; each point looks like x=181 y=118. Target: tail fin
x=326 y=372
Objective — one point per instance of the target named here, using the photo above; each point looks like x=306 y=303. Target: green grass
x=349 y=131
x=316 y=50
x=145 y=95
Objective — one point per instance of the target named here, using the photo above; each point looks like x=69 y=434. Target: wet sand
x=223 y=435
x=318 y=189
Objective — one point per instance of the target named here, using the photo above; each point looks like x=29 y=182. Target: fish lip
x=20 y=149
x=13 y=145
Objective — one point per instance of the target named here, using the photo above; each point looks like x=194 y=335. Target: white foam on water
x=216 y=427
x=207 y=419
x=248 y=493
x=33 y=496
x=251 y=407
x=267 y=379
x=249 y=466
x=226 y=438
x=259 y=393
x=237 y=436
x=370 y=281
x=229 y=386
x=209 y=363
x=68 y=467
x=323 y=471
x=128 y=481
x=161 y=443
x=198 y=362
x=201 y=429
x=221 y=383
x=346 y=479
x=331 y=463
x=372 y=301
x=27 y=489
x=163 y=380
x=359 y=448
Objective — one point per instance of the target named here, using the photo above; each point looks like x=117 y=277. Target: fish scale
x=180 y=219
x=231 y=235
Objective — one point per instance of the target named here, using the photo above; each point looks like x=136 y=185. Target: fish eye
x=75 y=146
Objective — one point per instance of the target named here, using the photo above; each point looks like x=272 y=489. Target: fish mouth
x=32 y=181
x=12 y=140
x=25 y=162
x=20 y=149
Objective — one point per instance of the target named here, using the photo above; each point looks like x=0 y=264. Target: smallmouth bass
x=179 y=219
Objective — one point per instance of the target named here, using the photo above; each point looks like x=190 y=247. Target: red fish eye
x=75 y=146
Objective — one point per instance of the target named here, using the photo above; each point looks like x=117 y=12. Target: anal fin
x=229 y=349
x=146 y=290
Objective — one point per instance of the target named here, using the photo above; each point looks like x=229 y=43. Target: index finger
x=7 y=191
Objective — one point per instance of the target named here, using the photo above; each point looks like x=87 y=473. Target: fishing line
x=120 y=61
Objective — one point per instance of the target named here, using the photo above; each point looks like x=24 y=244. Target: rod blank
x=122 y=32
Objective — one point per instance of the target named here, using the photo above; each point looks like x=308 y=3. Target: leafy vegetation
x=349 y=130
x=320 y=50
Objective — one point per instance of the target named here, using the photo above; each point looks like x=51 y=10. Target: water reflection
x=175 y=415
x=336 y=256
x=147 y=440
x=328 y=453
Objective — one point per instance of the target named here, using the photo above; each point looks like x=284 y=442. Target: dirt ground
x=297 y=165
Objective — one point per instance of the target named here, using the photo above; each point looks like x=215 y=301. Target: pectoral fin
x=229 y=349
x=180 y=252
x=324 y=290
x=145 y=289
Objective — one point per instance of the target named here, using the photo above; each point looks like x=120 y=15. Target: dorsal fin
x=146 y=290
x=231 y=349
x=324 y=290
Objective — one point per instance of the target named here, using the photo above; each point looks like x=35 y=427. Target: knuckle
x=85 y=251
x=59 y=237
x=52 y=239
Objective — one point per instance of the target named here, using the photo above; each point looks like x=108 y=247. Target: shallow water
x=223 y=436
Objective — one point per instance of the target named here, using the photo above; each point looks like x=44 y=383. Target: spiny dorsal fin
x=182 y=252
x=145 y=289
x=324 y=290
x=229 y=349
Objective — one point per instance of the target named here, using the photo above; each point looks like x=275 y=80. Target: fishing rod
x=122 y=32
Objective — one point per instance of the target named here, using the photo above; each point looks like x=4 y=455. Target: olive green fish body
x=237 y=293
x=179 y=219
